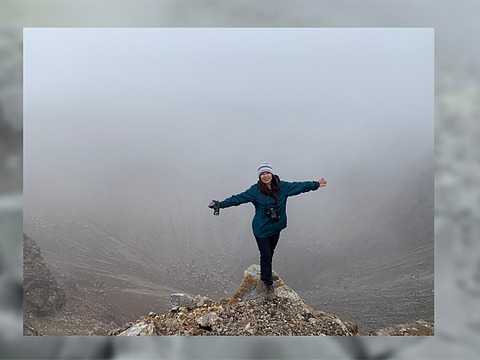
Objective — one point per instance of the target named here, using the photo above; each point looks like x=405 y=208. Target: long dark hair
x=273 y=191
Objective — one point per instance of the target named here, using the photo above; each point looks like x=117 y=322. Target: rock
x=208 y=320
x=30 y=330
x=172 y=322
x=180 y=299
x=142 y=328
x=202 y=300
x=351 y=326
x=43 y=294
x=40 y=289
x=418 y=328
x=342 y=325
x=253 y=287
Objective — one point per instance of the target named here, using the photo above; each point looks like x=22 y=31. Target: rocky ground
x=250 y=313
x=99 y=299
x=77 y=317
x=93 y=299
x=247 y=312
x=70 y=306
x=259 y=317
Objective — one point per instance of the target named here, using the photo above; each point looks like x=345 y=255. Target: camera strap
x=266 y=209
x=265 y=200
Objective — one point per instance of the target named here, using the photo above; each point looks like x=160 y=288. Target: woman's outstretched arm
x=298 y=187
x=238 y=199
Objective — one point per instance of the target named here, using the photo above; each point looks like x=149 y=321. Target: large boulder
x=41 y=292
x=252 y=287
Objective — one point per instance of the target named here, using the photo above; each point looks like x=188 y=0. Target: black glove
x=215 y=205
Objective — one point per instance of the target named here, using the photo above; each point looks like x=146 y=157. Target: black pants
x=266 y=247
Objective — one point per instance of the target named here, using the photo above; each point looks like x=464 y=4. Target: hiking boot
x=270 y=292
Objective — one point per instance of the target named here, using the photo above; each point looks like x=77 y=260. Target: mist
x=132 y=132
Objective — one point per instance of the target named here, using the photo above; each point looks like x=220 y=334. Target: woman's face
x=266 y=178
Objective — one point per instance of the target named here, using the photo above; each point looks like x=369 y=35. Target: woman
x=269 y=196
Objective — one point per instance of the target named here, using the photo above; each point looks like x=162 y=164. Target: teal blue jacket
x=261 y=224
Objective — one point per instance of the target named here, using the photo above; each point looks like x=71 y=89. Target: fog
x=130 y=133
x=191 y=113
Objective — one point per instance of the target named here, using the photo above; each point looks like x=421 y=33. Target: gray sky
x=157 y=111
x=228 y=98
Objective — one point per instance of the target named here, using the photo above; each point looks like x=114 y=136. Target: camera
x=273 y=215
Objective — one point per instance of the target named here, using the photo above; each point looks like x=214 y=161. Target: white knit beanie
x=265 y=167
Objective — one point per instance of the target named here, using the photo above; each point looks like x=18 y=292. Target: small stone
x=179 y=299
x=209 y=320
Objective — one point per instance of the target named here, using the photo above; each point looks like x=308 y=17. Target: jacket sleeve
x=295 y=188
x=238 y=199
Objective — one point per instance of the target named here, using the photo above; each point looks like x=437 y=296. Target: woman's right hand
x=322 y=182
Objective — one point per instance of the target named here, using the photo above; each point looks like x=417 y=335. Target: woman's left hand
x=322 y=182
